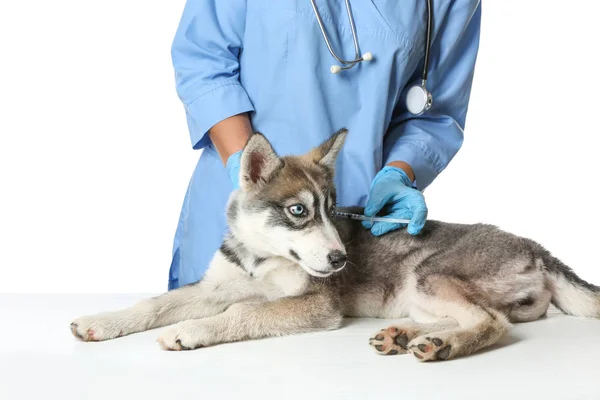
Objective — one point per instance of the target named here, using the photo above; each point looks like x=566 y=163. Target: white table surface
x=554 y=358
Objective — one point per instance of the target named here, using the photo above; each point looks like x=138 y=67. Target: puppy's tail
x=571 y=294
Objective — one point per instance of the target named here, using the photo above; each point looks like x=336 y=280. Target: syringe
x=361 y=217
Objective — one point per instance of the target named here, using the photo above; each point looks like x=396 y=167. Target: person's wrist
x=233 y=168
x=233 y=154
x=404 y=167
x=397 y=174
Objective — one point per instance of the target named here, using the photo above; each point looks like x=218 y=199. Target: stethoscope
x=418 y=98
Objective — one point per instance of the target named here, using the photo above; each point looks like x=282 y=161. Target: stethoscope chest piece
x=418 y=99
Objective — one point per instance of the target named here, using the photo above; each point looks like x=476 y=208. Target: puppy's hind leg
x=223 y=285
x=478 y=327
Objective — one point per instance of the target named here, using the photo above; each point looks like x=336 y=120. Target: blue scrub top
x=268 y=58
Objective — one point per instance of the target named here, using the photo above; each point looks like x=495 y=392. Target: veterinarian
x=264 y=65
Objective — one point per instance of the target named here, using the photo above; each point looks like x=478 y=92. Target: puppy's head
x=285 y=205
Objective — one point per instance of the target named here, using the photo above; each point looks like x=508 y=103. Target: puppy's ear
x=258 y=163
x=326 y=154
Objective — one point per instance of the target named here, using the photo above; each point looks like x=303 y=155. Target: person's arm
x=205 y=54
x=423 y=146
x=230 y=135
x=417 y=149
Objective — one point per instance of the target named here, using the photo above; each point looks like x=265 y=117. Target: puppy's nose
x=336 y=258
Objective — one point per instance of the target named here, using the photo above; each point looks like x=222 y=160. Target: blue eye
x=297 y=210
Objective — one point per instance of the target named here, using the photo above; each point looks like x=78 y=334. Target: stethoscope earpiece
x=336 y=69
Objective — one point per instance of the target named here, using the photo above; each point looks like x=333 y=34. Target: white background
x=95 y=155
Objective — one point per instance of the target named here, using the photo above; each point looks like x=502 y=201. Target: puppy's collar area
x=237 y=253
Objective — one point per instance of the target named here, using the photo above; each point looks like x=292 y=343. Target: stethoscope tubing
x=326 y=37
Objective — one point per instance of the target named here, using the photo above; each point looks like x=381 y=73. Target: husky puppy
x=287 y=266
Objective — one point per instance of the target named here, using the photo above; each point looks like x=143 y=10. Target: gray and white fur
x=288 y=267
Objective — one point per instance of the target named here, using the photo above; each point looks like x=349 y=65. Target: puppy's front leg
x=243 y=321
x=223 y=285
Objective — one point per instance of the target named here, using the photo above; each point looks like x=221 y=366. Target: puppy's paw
x=96 y=328
x=391 y=341
x=429 y=348
x=187 y=335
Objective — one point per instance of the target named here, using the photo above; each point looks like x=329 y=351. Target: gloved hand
x=392 y=192
x=233 y=168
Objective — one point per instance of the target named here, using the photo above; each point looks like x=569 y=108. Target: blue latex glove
x=392 y=192
x=233 y=169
